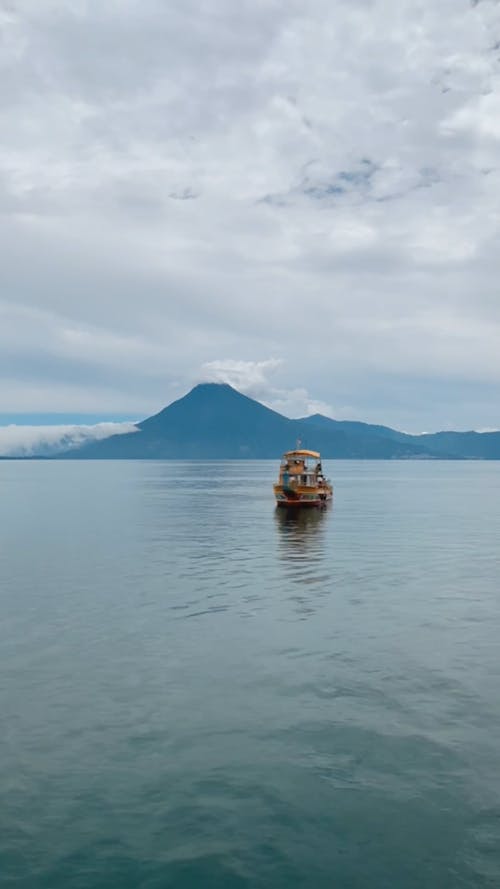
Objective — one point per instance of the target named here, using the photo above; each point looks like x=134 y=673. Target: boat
x=301 y=481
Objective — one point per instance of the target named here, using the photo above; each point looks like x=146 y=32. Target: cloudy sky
x=302 y=199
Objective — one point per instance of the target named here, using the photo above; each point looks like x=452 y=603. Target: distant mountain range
x=214 y=421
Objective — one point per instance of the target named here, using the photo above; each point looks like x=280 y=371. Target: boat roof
x=301 y=453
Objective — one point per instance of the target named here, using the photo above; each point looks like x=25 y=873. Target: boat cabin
x=301 y=467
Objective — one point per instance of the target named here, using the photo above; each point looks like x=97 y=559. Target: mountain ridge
x=215 y=421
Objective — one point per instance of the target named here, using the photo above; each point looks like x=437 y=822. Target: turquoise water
x=199 y=691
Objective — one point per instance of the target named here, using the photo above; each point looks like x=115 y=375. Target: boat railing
x=307 y=480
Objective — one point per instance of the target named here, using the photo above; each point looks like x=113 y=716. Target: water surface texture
x=199 y=691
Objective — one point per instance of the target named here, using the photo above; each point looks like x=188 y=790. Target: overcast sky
x=302 y=199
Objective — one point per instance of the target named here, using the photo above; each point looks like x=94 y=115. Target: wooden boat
x=301 y=481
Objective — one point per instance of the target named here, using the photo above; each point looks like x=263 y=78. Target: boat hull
x=301 y=504
x=302 y=501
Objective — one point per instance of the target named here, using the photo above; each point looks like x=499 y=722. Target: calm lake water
x=199 y=691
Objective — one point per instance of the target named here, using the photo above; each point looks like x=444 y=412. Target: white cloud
x=246 y=376
x=32 y=441
x=297 y=403
x=255 y=378
x=316 y=182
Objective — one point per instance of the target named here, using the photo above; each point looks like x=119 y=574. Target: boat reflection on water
x=299 y=524
x=301 y=537
x=303 y=553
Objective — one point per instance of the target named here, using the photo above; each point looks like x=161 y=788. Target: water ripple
x=198 y=690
